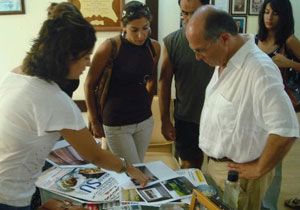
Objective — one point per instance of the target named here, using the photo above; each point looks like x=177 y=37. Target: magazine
x=86 y=184
x=93 y=185
x=64 y=155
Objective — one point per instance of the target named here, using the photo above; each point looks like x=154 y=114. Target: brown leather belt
x=224 y=159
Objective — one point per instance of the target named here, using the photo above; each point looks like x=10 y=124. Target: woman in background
x=276 y=38
x=126 y=117
x=36 y=112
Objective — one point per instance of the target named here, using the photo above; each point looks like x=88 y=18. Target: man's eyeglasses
x=186 y=14
x=203 y=50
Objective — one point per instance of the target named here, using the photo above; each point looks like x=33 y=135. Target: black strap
x=114 y=49
x=151 y=47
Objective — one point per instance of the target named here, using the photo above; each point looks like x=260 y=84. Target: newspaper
x=85 y=184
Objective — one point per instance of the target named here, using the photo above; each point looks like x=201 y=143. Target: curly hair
x=285 y=26
x=55 y=9
x=60 y=41
x=135 y=10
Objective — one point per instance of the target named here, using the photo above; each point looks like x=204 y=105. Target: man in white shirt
x=247 y=123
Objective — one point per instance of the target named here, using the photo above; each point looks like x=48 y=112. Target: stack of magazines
x=74 y=179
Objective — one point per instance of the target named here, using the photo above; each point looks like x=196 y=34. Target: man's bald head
x=211 y=23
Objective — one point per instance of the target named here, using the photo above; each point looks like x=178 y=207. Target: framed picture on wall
x=241 y=23
x=239 y=7
x=222 y=4
x=254 y=6
x=11 y=7
x=104 y=15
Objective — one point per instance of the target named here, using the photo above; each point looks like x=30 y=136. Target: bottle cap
x=233 y=176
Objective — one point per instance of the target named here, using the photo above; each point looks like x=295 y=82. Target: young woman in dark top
x=276 y=34
x=276 y=38
x=126 y=117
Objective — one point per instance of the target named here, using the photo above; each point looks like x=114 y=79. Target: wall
x=18 y=31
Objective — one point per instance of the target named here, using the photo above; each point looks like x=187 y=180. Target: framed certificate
x=104 y=15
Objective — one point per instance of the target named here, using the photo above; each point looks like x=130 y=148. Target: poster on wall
x=254 y=6
x=11 y=7
x=239 y=7
x=241 y=23
x=222 y=4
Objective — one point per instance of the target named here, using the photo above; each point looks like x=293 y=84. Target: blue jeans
x=6 y=207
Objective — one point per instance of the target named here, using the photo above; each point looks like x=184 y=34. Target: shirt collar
x=237 y=60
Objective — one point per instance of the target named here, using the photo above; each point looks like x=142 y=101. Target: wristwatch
x=124 y=165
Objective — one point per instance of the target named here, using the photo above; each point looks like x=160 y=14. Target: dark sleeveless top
x=271 y=54
x=128 y=101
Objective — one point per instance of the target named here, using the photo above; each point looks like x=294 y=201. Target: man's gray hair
x=217 y=22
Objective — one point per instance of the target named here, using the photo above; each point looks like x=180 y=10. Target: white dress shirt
x=243 y=105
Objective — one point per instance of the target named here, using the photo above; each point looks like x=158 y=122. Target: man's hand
x=246 y=170
x=168 y=131
x=281 y=61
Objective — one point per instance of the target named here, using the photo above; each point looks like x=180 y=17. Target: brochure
x=194 y=175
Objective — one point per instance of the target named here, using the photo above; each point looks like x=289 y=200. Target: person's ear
x=149 y=32
x=224 y=37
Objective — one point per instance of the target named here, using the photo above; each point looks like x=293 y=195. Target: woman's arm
x=293 y=44
x=83 y=142
x=99 y=61
x=152 y=83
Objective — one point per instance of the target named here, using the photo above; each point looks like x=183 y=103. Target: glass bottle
x=232 y=189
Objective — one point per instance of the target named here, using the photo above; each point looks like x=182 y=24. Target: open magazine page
x=165 y=185
x=158 y=193
x=195 y=176
x=89 y=184
x=64 y=155
x=157 y=171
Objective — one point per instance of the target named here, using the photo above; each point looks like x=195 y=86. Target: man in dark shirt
x=191 y=79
